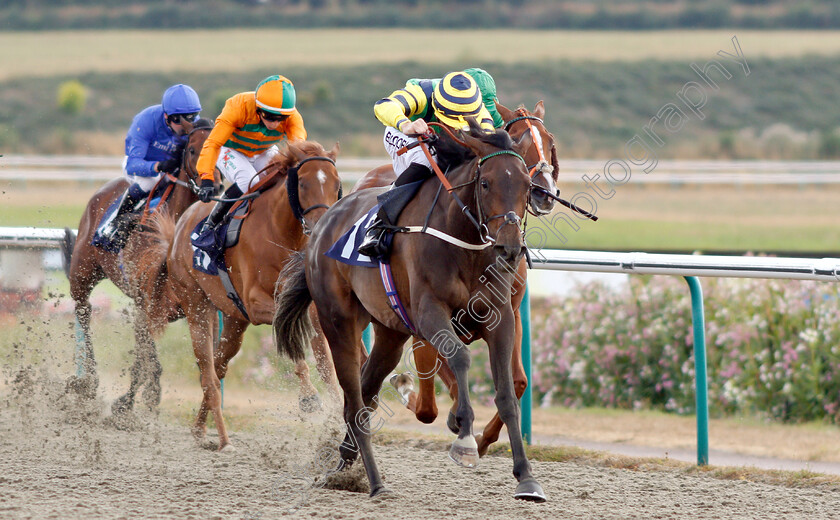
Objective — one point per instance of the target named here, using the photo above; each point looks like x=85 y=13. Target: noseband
x=292 y=184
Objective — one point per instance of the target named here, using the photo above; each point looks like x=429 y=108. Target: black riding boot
x=115 y=230
x=392 y=203
x=221 y=208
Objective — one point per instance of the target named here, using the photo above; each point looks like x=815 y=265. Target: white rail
x=822 y=269
x=31 y=237
x=103 y=168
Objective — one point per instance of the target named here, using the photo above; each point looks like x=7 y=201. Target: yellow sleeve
x=486 y=120
x=401 y=106
x=231 y=118
x=294 y=127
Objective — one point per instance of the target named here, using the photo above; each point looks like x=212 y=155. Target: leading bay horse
x=436 y=276
x=541 y=159
x=299 y=185
x=86 y=265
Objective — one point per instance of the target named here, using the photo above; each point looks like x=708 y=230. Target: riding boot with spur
x=220 y=209
x=115 y=231
x=392 y=203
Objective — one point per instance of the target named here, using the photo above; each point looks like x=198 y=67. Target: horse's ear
x=505 y=112
x=332 y=154
x=539 y=110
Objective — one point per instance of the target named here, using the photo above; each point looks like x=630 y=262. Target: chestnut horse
x=435 y=276
x=86 y=265
x=427 y=361
x=269 y=235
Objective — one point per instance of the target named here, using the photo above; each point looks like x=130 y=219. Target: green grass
x=713 y=218
x=76 y=53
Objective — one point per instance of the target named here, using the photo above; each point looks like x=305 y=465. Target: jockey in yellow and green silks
x=406 y=113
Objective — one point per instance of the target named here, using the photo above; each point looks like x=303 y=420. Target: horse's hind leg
x=427 y=364
x=384 y=357
x=200 y=319
x=146 y=368
x=520 y=383
x=323 y=358
x=83 y=278
x=230 y=342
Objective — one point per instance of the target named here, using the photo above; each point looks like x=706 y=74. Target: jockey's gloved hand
x=206 y=190
x=169 y=165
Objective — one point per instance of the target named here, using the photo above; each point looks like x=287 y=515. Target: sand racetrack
x=61 y=457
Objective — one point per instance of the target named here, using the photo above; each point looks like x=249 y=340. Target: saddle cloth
x=345 y=249
x=209 y=248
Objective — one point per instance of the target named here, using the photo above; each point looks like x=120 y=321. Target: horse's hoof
x=227 y=448
x=122 y=406
x=198 y=433
x=151 y=397
x=404 y=384
x=82 y=386
x=464 y=452
x=452 y=424
x=310 y=403
x=482 y=446
x=529 y=490
x=382 y=493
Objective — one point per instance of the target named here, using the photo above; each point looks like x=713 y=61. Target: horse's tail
x=292 y=325
x=151 y=273
x=68 y=243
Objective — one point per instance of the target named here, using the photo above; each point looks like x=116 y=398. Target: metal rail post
x=701 y=392
x=526 y=403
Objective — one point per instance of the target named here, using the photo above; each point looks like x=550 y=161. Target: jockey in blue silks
x=153 y=147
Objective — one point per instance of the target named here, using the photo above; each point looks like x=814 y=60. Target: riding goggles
x=274 y=118
x=177 y=118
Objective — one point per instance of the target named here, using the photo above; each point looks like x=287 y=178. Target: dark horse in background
x=435 y=279
x=86 y=265
x=541 y=160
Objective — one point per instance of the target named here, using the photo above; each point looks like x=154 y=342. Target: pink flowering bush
x=773 y=348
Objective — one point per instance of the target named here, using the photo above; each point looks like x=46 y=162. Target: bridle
x=509 y=217
x=292 y=183
x=481 y=222
x=542 y=166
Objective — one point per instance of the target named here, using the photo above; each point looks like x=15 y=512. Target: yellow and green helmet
x=276 y=94
x=455 y=98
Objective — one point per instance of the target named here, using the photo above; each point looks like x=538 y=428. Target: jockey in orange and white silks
x=408 y=110
x=245 y=138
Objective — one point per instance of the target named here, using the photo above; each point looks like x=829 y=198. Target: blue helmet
x=180 y=99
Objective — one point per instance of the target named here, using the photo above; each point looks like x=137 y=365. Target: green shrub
x=773 y=348
x=72 y=97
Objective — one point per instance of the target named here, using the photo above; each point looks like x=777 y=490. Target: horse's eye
x=485 y=184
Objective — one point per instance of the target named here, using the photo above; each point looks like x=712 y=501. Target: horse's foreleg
x=435 y=325
x=500 y=340
x=198 y=318
x=520 y=383
x=427 y=364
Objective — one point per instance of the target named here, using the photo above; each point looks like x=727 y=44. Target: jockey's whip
x=568 y=204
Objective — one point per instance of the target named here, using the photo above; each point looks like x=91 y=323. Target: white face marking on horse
x=509 y=174
x=322 y=178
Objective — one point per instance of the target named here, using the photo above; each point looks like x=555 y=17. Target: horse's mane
x=288 y=158
x=452 y=153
